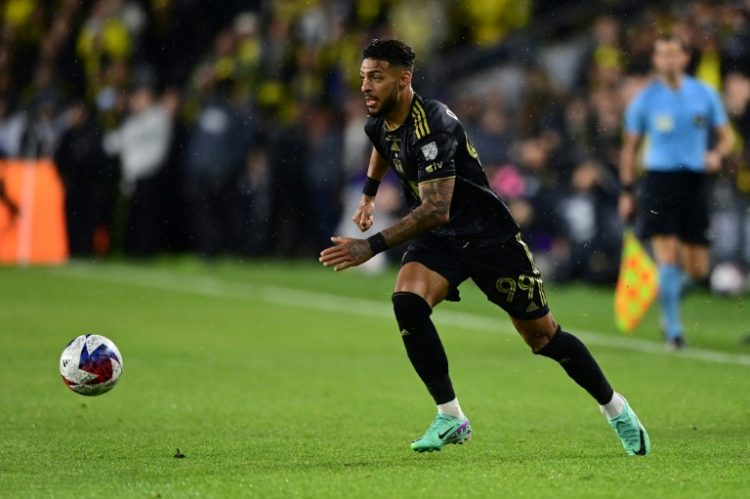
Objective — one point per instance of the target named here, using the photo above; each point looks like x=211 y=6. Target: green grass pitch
x=289 y=380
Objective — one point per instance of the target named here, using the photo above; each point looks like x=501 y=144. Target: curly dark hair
x=394 y=51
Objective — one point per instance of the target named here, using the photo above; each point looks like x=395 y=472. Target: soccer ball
x=727 y=279
x=91 y=365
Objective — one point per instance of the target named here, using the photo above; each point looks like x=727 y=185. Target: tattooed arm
x=434 y=211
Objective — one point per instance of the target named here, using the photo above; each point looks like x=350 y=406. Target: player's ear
x=685 y=57
x=405 y=79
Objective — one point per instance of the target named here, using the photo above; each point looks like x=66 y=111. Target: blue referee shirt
x=676 y=123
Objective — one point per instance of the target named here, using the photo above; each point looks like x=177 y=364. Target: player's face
x=670 y=59
x=381 y=84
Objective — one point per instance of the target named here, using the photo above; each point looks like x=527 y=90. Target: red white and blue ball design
x=91 y=365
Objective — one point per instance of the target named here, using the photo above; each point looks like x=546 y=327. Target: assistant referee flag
x=637 y=284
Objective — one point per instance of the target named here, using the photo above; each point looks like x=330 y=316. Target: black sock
x=423 y=345
x=580 y=365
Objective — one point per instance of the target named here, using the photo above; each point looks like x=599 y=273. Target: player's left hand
x=346 y=252
x=713 y=161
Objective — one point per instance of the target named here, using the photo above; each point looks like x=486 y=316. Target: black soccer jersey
x=431 y=145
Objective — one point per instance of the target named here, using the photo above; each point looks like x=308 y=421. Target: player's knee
x=410 y=309
x=537 y=340
x=547 y=347
x=537 y=333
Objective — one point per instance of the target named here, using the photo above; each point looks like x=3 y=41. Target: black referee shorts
x=504 y=271
x=676 y=204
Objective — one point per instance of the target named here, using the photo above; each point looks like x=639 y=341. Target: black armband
x=371 y=187
x=377 y=243
x=626 y=188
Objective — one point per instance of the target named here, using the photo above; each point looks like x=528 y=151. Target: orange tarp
x=36 y=235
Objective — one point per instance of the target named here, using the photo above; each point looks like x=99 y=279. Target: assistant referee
x=676 y=114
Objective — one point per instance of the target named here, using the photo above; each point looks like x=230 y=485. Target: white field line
x=299 y=298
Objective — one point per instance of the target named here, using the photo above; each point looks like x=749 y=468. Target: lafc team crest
x=430 y=151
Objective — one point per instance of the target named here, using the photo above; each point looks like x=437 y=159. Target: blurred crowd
x=236 y=127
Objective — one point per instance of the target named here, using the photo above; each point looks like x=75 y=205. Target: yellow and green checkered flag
x=637 y=284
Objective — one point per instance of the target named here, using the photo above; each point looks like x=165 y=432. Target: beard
x=386 y=105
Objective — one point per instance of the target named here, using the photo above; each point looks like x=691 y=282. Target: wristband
x=626 y=188
x=371 y=187
x=377 y=243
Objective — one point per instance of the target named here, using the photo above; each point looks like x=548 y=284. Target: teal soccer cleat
x=633 y=435
x=444 y=429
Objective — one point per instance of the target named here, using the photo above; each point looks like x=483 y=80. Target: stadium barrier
x=32 y=213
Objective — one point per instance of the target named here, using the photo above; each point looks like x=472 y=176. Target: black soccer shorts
x=676 y=204
x=504 y=271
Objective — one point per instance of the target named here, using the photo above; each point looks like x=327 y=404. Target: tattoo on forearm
x=434 y=211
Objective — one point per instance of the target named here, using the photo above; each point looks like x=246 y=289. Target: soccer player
x=675 y=113
x=457 y=229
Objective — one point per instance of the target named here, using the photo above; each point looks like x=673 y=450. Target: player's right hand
x=626 y=207
x=363 y=216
